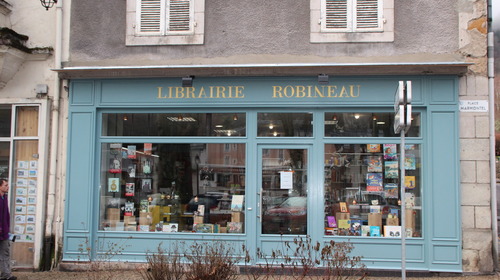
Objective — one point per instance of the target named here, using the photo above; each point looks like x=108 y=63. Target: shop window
x=178 y=124
x=352 y=21
x=362 y=124
x=285 y=125
x=362 y=190
x=172 y=188
x=165 y=22
x=5 y=121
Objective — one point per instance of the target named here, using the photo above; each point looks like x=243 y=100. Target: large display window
x=176 y=187
x=362 y=190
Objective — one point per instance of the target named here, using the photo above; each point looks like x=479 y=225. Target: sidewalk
x=134 y=275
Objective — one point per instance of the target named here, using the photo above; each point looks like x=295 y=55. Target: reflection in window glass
x=362 y=194
x=173 y=187
x=285 y=124
x=5 y=121
x=366 y=125
x=178 y=124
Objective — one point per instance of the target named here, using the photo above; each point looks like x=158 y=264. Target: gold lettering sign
x=236 y=92
x=215 y=92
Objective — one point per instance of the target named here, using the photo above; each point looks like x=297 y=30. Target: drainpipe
x=491 y=96
x=51 y=237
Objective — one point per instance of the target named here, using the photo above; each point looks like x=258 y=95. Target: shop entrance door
x=283 y=191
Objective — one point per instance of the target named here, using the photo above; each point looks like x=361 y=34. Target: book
x=373 y=148
x=410 y=182
x=132 y=151
x=391 y=169
x=365 y=230
x=374 y=182
x=374 y=231
x=374 y=164
x=343 y=207
x=129 y=189
x=345 y=224
x=201 y=210
x=391 y=190
x=410 y=162
x=392 y=231
x=332 y=222
x=237 y=202
x=146 y=185
x=204 y=228
x=113 y=184
x=235 y=227
x=375 y=209
x=355 y=227
x=390 y=151
x=148 y=147
x=171 y=227
x=129 y=209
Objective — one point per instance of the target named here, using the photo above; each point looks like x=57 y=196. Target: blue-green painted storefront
x=434 y=97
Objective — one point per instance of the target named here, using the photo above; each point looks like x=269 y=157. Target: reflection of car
x=288 y=217
x=359 y=205
x=210 y=202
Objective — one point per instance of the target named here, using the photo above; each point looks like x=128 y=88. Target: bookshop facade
x=258 y=161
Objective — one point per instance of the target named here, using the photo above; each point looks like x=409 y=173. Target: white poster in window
x=286 y=179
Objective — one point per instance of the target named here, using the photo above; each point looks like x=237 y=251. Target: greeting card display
x=132 y=151
x=146 y=185
x=237 y=202
x=391 y=190
x=410 y=162
x=390 y=151
x=115 y=158
x=373 y=148
x=374 y=182
x=374 y=164
x=129 y=189
x=410 y=182
x=129 y=208
x=391 y=169
x=113 y=184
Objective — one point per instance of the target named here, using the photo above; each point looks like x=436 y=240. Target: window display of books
x=364 y=195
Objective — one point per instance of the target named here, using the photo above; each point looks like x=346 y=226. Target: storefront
x=257 y=161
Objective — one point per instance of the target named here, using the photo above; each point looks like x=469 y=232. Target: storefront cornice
x=272 y=69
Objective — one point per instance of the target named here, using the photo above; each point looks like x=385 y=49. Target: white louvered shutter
x=336 y=14
x=180 y=16
x=367 y=15
x=150 y=16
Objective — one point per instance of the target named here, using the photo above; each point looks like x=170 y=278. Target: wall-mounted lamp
x=187 y=81
x=323 y=79
x=47 y=4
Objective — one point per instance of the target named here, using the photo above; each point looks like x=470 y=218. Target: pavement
x=135 y=275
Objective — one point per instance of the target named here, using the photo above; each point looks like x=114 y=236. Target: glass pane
x=173 y=187
x=4 y=159
x=362 y=194
x=366 y=125
x=284 y=191
x=178 y=124
x=27 y=121
x=5 y=121
x=285 y=124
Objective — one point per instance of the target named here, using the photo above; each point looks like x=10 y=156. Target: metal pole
x=403 y=206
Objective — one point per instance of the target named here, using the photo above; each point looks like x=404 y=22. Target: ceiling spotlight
x=235 y=117
x=271 y=126
x=356 y=116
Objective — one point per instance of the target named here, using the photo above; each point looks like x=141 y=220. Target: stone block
x=482 y=126
x=483 y=172
x=474 y=149
x=476 y=194
x=468 y=171
x=482 y=217
x=468 y=217
x=467 y=126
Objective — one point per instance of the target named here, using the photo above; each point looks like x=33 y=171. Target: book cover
x=113 y=184
x=410 y=162
x=410 y=182
x=356 y=227
x=201 y=210
x=345 y=224
x=391 y=169
x=129 y=209
x=237 y=202
x=132 y=151
x=148 y=147
x=409 y=200
x=343 y=207
x=115 y=158
x=375 y=209
x=171 y=227
x=374 y=182
x=391 y=190
x=373 y=148
x=235 y=227
x=146 y=185
x=144 y=205
x=204 y=228
x=392 y=231
x=365 y=230
x=390 y=151
x=332 y=222
x=374 y=164
x=129 y=189
x=374 y=231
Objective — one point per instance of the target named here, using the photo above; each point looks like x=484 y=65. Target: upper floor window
x=352 y=21
x=165 y=22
